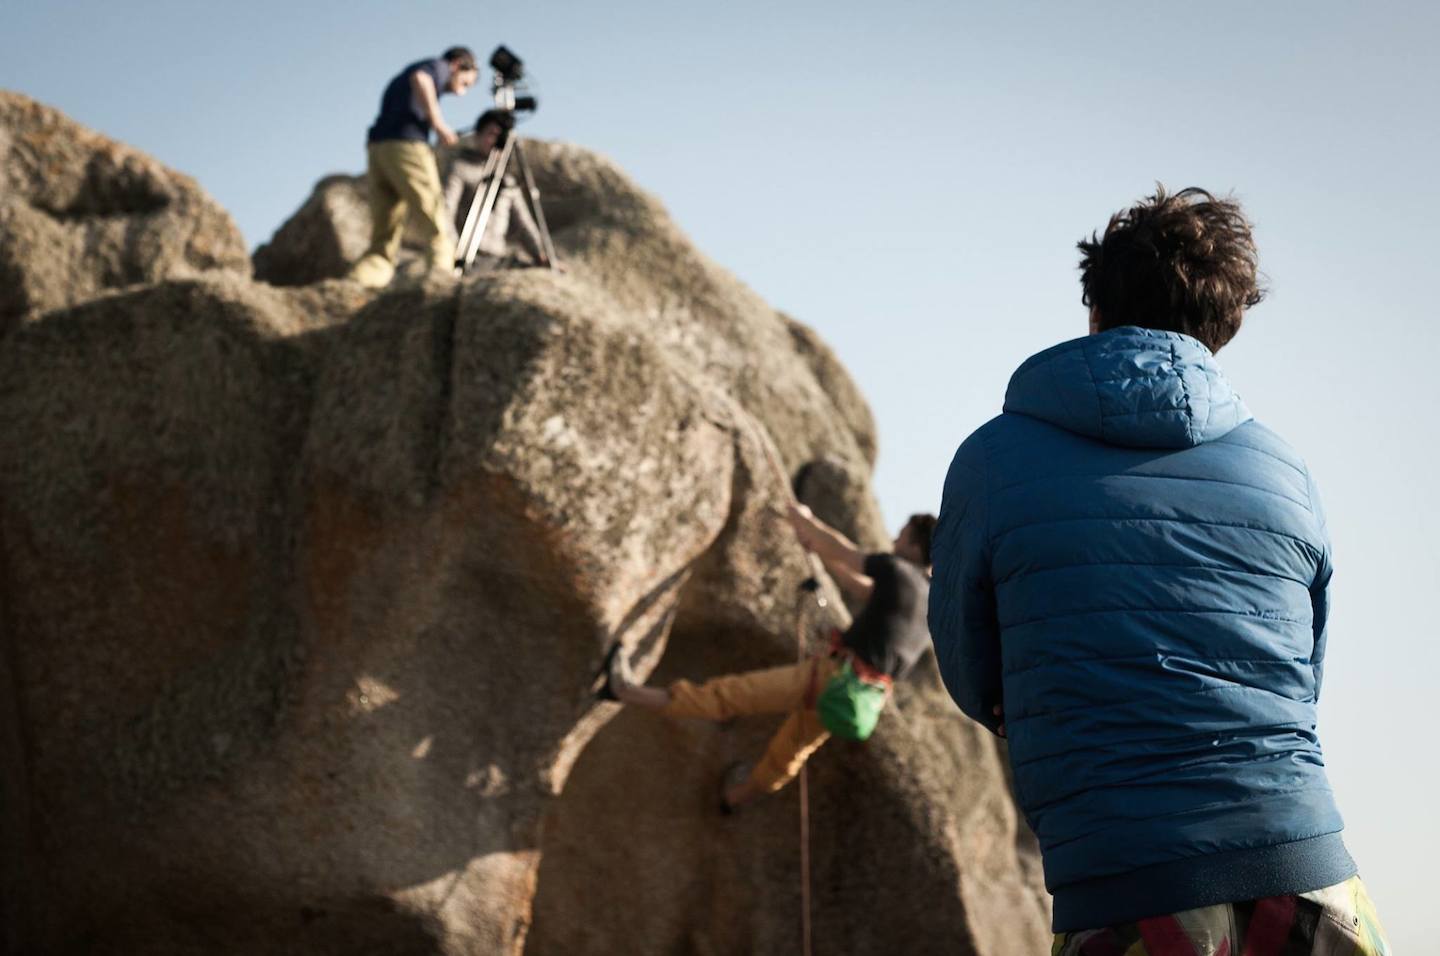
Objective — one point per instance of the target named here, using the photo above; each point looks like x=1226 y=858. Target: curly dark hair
x=1184 y=263
x=924 y=526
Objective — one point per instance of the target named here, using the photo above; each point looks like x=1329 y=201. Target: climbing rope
x=810 y=586
x=805 y=587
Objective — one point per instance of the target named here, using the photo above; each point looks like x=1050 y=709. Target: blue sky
x=911 y=179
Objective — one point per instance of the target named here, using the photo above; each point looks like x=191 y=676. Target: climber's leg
x=799 y=737
x=617 y=682
x=775 y=690
x=790 y=689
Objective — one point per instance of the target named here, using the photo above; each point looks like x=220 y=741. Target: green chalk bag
x=849 y=706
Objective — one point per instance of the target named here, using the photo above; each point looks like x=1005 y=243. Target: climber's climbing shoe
x=613 y=671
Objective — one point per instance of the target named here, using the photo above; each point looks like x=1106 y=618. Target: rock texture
x=618 y=242
x=324 y=237
x=80 y=214
x=302 y=591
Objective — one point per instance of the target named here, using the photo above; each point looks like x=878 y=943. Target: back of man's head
x=922 y=530
x=460 y=58
x=1183 y=263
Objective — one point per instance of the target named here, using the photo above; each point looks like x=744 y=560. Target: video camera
x=510 y=71
x=507 y=64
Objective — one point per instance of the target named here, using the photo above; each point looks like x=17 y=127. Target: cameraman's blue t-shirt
x=402 y=116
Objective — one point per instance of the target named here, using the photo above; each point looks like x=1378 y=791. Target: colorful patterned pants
x=1339 y=920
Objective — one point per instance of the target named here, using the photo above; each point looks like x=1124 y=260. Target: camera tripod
x=482 y=204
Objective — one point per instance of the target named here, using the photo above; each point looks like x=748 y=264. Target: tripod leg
x=471 y=246
x=532 y=201
x=476 y=198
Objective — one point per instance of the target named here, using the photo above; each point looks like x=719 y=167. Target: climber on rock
x=468 y=174
x=401 y=171
x=839 y=692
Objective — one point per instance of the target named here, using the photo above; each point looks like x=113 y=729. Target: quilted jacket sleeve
x=1320 y=589
x=963 y=623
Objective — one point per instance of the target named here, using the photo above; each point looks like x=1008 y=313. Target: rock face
x=80 y=214
x=330 y=231
x=302 y=591
x=324 y=237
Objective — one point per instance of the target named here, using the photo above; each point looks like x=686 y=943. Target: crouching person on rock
x=840 y=692
x=467 y=179
x=401 y=172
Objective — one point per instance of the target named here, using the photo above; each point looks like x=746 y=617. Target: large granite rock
x=621 y=244
x=80 y=214
x=302 y=590
x=323 y=238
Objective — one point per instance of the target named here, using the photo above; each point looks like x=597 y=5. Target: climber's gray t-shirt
x=890 y=633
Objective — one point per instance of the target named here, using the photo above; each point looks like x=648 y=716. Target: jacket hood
x=1139 y=388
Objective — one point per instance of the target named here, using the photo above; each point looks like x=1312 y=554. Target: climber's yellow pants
x=403 y=178
x=790 y=689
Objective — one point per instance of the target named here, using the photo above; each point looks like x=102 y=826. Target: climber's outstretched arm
x=842 y=558
x=858 y=586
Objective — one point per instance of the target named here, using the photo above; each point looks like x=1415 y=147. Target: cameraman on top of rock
x=401 y=166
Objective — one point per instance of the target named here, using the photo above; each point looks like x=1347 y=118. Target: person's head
x=1183 y=263
x=463 y=69
x=491 y=129
x=913 y=541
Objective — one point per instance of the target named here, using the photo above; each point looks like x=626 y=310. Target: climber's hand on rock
x=802 y=520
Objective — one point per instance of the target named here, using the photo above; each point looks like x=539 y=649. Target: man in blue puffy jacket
x=1131 y=582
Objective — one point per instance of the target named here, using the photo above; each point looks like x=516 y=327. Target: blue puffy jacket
x=1137 y=573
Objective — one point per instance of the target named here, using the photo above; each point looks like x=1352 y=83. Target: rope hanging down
x=810 y=586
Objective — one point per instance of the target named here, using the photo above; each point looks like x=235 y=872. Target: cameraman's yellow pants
x=403 y=180
x=790 y=689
